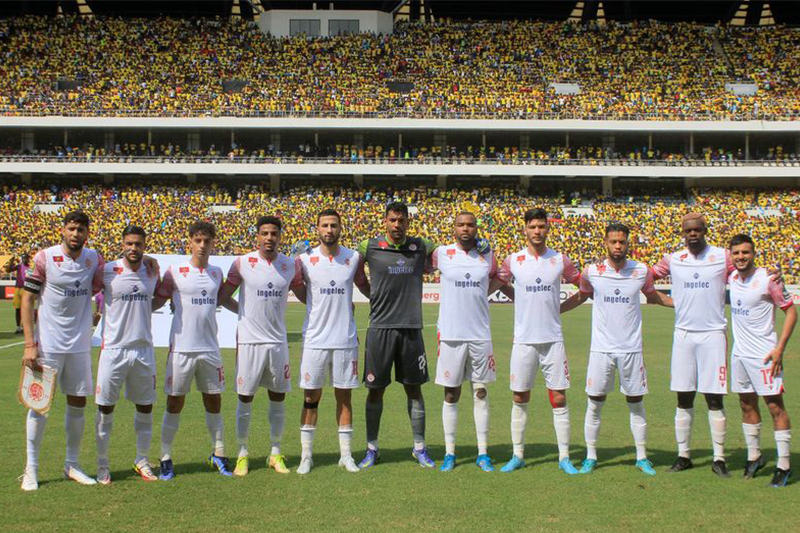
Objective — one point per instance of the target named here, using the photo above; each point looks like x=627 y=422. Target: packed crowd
x=165 y=211
x=376 y=154
x=648 y=70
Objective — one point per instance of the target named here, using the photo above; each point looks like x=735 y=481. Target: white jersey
x=263 y=291
x=537 y=293
x=698 y=287
x=127 y=305
x=464 y=302
x=329 y=323
x=753 y=302
x=616 y=311
x=65 y=287
x=195 y=296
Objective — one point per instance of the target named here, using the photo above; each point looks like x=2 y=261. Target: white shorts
x=602 y=370
x=340 y=365
x=526 y=359
x=74 y=371
x=262 y=365
x=699 y=362
x=133 y=367
x=753 y=375
x=204 y=367
x=461 y=361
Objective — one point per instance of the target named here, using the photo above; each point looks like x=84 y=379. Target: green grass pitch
x=398 y=495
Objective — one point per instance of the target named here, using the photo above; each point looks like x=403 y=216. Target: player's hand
x=152 y=266
x=30 y=358
x=96 y=318
x=775 y=274
x=483 y=246
x=776 y=356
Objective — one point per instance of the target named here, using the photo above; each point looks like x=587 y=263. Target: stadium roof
x=783 y=12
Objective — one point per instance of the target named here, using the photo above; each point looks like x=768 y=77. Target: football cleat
x=369 y=460
x=167 y=470
x=448 y=463
x=277 y=463
x=588 y=466
x=644 y=465
x=242 y=466
x=76 y=474
x=306 y=464
x=566 y=465
x=220 y=464
x=780 y=478
x=423 y=458
x=28 y=479
x=103 y=475
x=681 y=464
x=720 y=469
x=514 y=464
x=484 y=462
x=349 y=464
x=143 y=469
x=751 y=468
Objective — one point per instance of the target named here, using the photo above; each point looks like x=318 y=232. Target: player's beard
x=74 y=248
x=330 y=240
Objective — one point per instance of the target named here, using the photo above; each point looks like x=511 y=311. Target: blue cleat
x=220 y=464
x=449 y=463
x=588 y=466
x=646 y=466
x=514 y=464
x=167 y=471
x=780 y=478
x=370 y=460
x=566 y=465
x=484 y=462
x=424 y=460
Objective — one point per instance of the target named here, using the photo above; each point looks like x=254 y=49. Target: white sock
x=74 y=424
x=561 y=423
x=782 y=439
x=169 y=428
x=243 y=411
x=752 y=437
x=717 y=421
x=450 y=423
x=307 y=441
x=480 y=412
x=276 y=424
x=372 y=445
x=216 y=430
x=683 y=430
x=638 y=419
x=103 y=425
x=519 y=419
x=345 y=439
x=143 y=426
x=591 y=426
x=35 y=425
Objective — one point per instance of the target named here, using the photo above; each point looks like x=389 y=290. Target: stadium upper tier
x=175 y=67
x=772 y=218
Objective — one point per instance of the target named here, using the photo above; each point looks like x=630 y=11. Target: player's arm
x=33 y=287
x=502 y=281
x=585 y=291
x=298 y=283
x=652 y=295
x=782 y=299
x=164 y=290
x=360 y=280
x=152 y=266
x=232 y=283
x=362 y=249
x=661 y=269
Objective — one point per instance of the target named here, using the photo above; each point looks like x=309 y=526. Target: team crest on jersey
x=683 y=256
x=451 y=253
x=118 y=270
x=520 y=258
x=601 y=269
x=384 y=245
x=58 y=259
x=314 y=260
x=253 y=261
x=412 y=247
x=736 y=276
x=184 y=271
x=370 y=377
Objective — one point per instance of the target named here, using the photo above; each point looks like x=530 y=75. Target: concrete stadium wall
x=276 y=21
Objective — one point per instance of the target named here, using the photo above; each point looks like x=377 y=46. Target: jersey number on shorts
x=723 y=375
x=767 y=374
x=286 y=372
x=422 y=362
x=221 y=374
x=355 y=368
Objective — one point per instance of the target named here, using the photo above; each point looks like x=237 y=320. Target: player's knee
x=598 y=398
x=276 y=396
x=522 y=397
x=245 y=399
x=212 y=403
x=142 y=408
x=375 y=395
x=685 y=400
x=557 y=398
x=76 y=401
x=414 y=392
x=715 y=402
x=175 y=404
x=633 y=399
x=748 y=402
x=775 y=405
x=480 y=392
x=105 y=409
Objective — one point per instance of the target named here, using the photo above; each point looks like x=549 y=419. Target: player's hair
x=536 y=213
x=467 y=214
x=397 y=207
x=78 y=217
x=328 y=213
x=201 y=226
x=134 y=230
x=741 y=238
x=616 y=226
x=268 y=219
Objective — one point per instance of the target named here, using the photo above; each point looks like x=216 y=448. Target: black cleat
x=751 y=468
x=780 y=478
x=681 y=464
x=720 y=469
